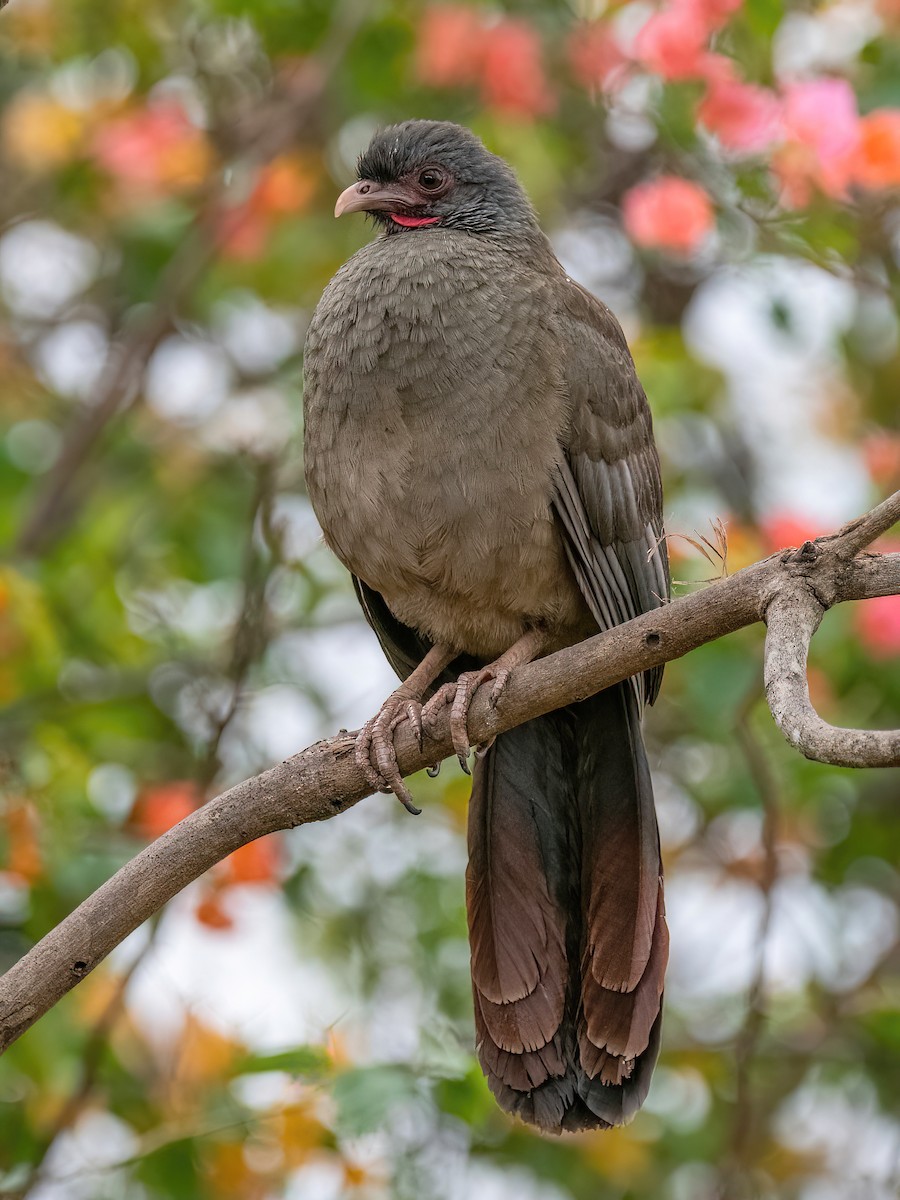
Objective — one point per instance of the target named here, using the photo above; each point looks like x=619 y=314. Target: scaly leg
x=461 y=693
x=374 y=752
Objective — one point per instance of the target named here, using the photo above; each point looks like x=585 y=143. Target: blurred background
x=297 y=1024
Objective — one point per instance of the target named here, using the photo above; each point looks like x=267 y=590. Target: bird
x=479 y=453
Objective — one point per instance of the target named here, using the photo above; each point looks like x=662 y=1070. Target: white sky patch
x=842 y=1126
x=186 y=380
x=81 y=1162
x=809 y=44
x=43 y=268
x=82 y=83
x=772 y=328
x=715 y=920
x=70 y=359
x=257 y=338
x=343 y=663
x=243 y=982
x=257 y=421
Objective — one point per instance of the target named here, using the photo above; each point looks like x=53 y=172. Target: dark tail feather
x=566 y=919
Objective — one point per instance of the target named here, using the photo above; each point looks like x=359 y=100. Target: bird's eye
x=430 y=179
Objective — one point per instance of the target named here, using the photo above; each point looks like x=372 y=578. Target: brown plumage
x=480 y=455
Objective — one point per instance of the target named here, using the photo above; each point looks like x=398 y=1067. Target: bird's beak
x=368 y=196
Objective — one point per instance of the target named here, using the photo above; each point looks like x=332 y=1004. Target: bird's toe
x=375 y=754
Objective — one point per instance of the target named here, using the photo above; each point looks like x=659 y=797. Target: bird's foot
x=374 y=752
x=459 y=696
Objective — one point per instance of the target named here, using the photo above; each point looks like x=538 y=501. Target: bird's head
x=434 y=173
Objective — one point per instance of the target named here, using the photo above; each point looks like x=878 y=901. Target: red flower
x=512 y=70
x=596 y=58
x=153 y=150
x=785 y=529
x=673 y=43
x=713 y=13
x=882 y=454
x=669 y=214
x=743 y=117
x=450 y=45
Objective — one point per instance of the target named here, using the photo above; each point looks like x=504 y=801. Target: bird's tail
x=566 y=920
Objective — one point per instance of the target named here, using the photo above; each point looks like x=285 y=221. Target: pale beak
x=368 y=196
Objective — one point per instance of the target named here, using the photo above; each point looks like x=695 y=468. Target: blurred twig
x=249 y=637
x=743 y=1128
x=259 y=136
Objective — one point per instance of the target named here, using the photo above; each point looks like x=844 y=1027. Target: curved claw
x=459 y=696
x=501 y=678
x=466 y=687
x=414 y=716
x=374 y=751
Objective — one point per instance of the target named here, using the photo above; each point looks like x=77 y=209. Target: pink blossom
x=668 y=214
x=878 y=623
x=821 y=115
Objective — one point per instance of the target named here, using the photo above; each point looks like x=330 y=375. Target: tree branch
x=792 y=618
x=324 y=780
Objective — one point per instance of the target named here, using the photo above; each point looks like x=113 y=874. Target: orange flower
x=39 y=133
x=877 y=161
x=160 y=807
x=668 y=214
x=209 y=912
x=456 y=46
x=257 y=862
x=285 y=187
x=23 y=847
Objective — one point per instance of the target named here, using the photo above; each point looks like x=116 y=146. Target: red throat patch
x=414 y=222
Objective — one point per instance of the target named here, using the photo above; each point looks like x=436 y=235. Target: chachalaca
x=479 y=453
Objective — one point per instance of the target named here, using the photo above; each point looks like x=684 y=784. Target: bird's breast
x=433 y=415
